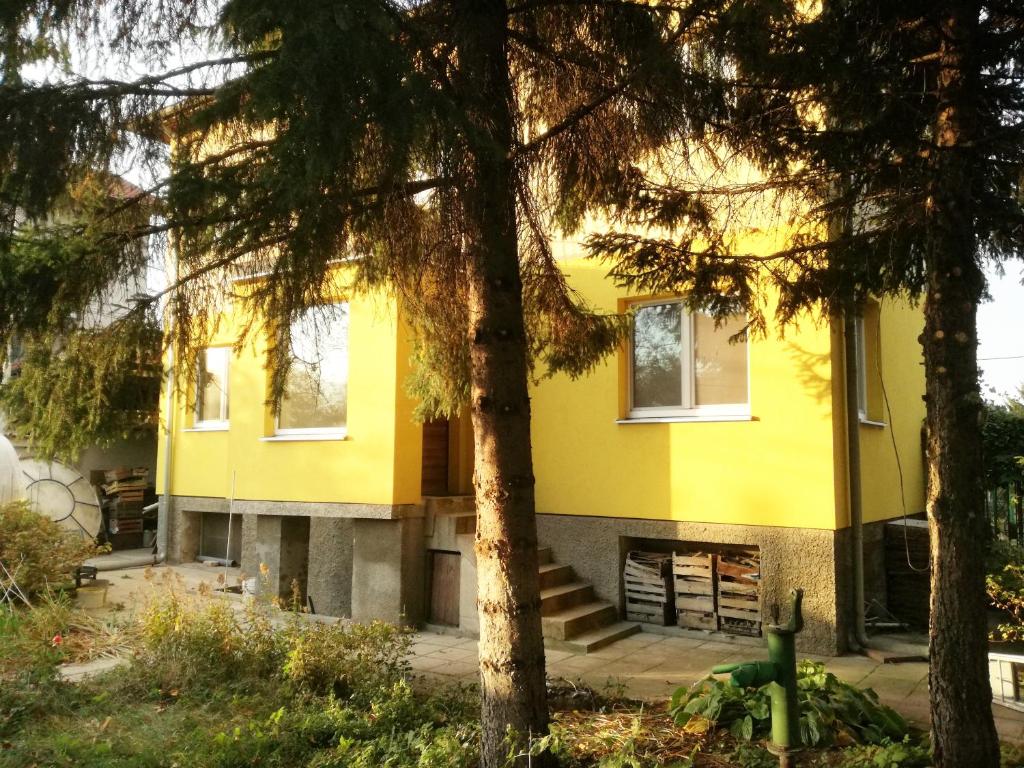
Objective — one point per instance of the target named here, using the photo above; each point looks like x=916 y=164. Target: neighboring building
x=137 y=450
x=679 y=442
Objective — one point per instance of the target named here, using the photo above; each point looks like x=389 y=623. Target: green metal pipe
x=779 y=674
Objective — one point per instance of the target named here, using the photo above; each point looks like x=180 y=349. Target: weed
x=899 y=754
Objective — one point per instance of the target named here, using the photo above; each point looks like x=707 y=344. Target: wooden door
x=444 y=588
x=435 y=458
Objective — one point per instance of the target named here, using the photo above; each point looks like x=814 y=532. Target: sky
x=1001 y=333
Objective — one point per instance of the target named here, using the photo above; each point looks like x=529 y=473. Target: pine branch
x=588 y=109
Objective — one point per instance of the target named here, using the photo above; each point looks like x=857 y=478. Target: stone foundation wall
x=790 y=557
x=315 y=544
x=375 y=566
x=330 y=565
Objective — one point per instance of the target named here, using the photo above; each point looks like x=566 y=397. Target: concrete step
x=574 y=621
x=555 y=599
x=594 y=639
x=450 y=505
x=553 y=574
x=545 y=556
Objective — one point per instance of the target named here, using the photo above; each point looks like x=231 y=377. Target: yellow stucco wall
x=785 y=467
x=776 y=469
x=899 y=366
x=377 y=463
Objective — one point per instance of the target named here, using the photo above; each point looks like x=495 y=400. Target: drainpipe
x=858 y=636
x=163 y=511
x=163 y=515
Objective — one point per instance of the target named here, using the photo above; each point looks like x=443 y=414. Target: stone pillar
x=388 y=570
x=250 y=559
x=469 y=620
x=330 y=565
x=282 y=544
x=183 y=535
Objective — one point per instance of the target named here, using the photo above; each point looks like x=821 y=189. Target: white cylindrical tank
x=12 y=479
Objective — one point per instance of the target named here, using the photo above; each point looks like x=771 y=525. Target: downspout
x=858 y=636
x=163 y=515
x=163 y=511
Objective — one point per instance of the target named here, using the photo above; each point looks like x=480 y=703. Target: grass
x=100 y=726
x=208 y=686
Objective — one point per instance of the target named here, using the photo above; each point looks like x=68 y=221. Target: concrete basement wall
x=330 y=566
x=790 y=557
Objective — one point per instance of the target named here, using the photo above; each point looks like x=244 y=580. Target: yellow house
x=686 y=441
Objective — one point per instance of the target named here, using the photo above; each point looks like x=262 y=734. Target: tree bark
x=963 y=731
x=512 y=672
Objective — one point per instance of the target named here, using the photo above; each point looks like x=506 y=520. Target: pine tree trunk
x=963 y=731
x=512 y=676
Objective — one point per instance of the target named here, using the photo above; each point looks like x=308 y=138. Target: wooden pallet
x=738 y=593
x=693 y=587
x=647 y=581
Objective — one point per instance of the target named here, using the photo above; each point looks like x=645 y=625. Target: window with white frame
x=315 y=400
x=212 y=388
x=861 y=346
x=685 y=364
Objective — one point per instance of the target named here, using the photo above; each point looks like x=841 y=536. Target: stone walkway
x=646 y=666
x=651 y=666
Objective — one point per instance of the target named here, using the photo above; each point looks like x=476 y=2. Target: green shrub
x=397 y=729
x=192 y=643
x=38 y=551
x=1005 y=589
x=188 y=642
x=348 y=660
x=831 y=711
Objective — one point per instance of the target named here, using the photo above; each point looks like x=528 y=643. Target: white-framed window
x=315 y=399
x=682 y=364
x=860 y=339
x=211 y=410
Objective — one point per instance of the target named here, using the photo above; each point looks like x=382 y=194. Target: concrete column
x=282 y=544
x=388 y=570
x=469 y=620
x=183 y=535
x=330 y=565
x=250 y=559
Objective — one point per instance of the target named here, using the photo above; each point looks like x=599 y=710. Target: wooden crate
x=693 y=588
x=647 y=579
x=126 y=525
x=738 y=592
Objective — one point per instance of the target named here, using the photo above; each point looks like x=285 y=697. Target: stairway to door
x=572 y=617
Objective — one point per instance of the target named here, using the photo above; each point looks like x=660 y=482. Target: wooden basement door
x=444 y=588
x=435 y=458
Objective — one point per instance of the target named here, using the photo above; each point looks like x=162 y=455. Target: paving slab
x=81 y=670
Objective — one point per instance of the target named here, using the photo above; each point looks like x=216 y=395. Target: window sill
x=686 y=419
x=870 y=423
x=211 y=428
x=306 y=438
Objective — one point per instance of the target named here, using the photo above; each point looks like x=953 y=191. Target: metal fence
x=1004 y=506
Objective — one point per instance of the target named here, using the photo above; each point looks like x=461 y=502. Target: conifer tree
x=889 y=137
x=439 y=142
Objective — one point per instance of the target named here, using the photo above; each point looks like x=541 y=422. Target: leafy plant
x=1005 y=589
x=897 y=754
x=752 y=756
x=832 y=712
x=36 y=550
x=1011 y=756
